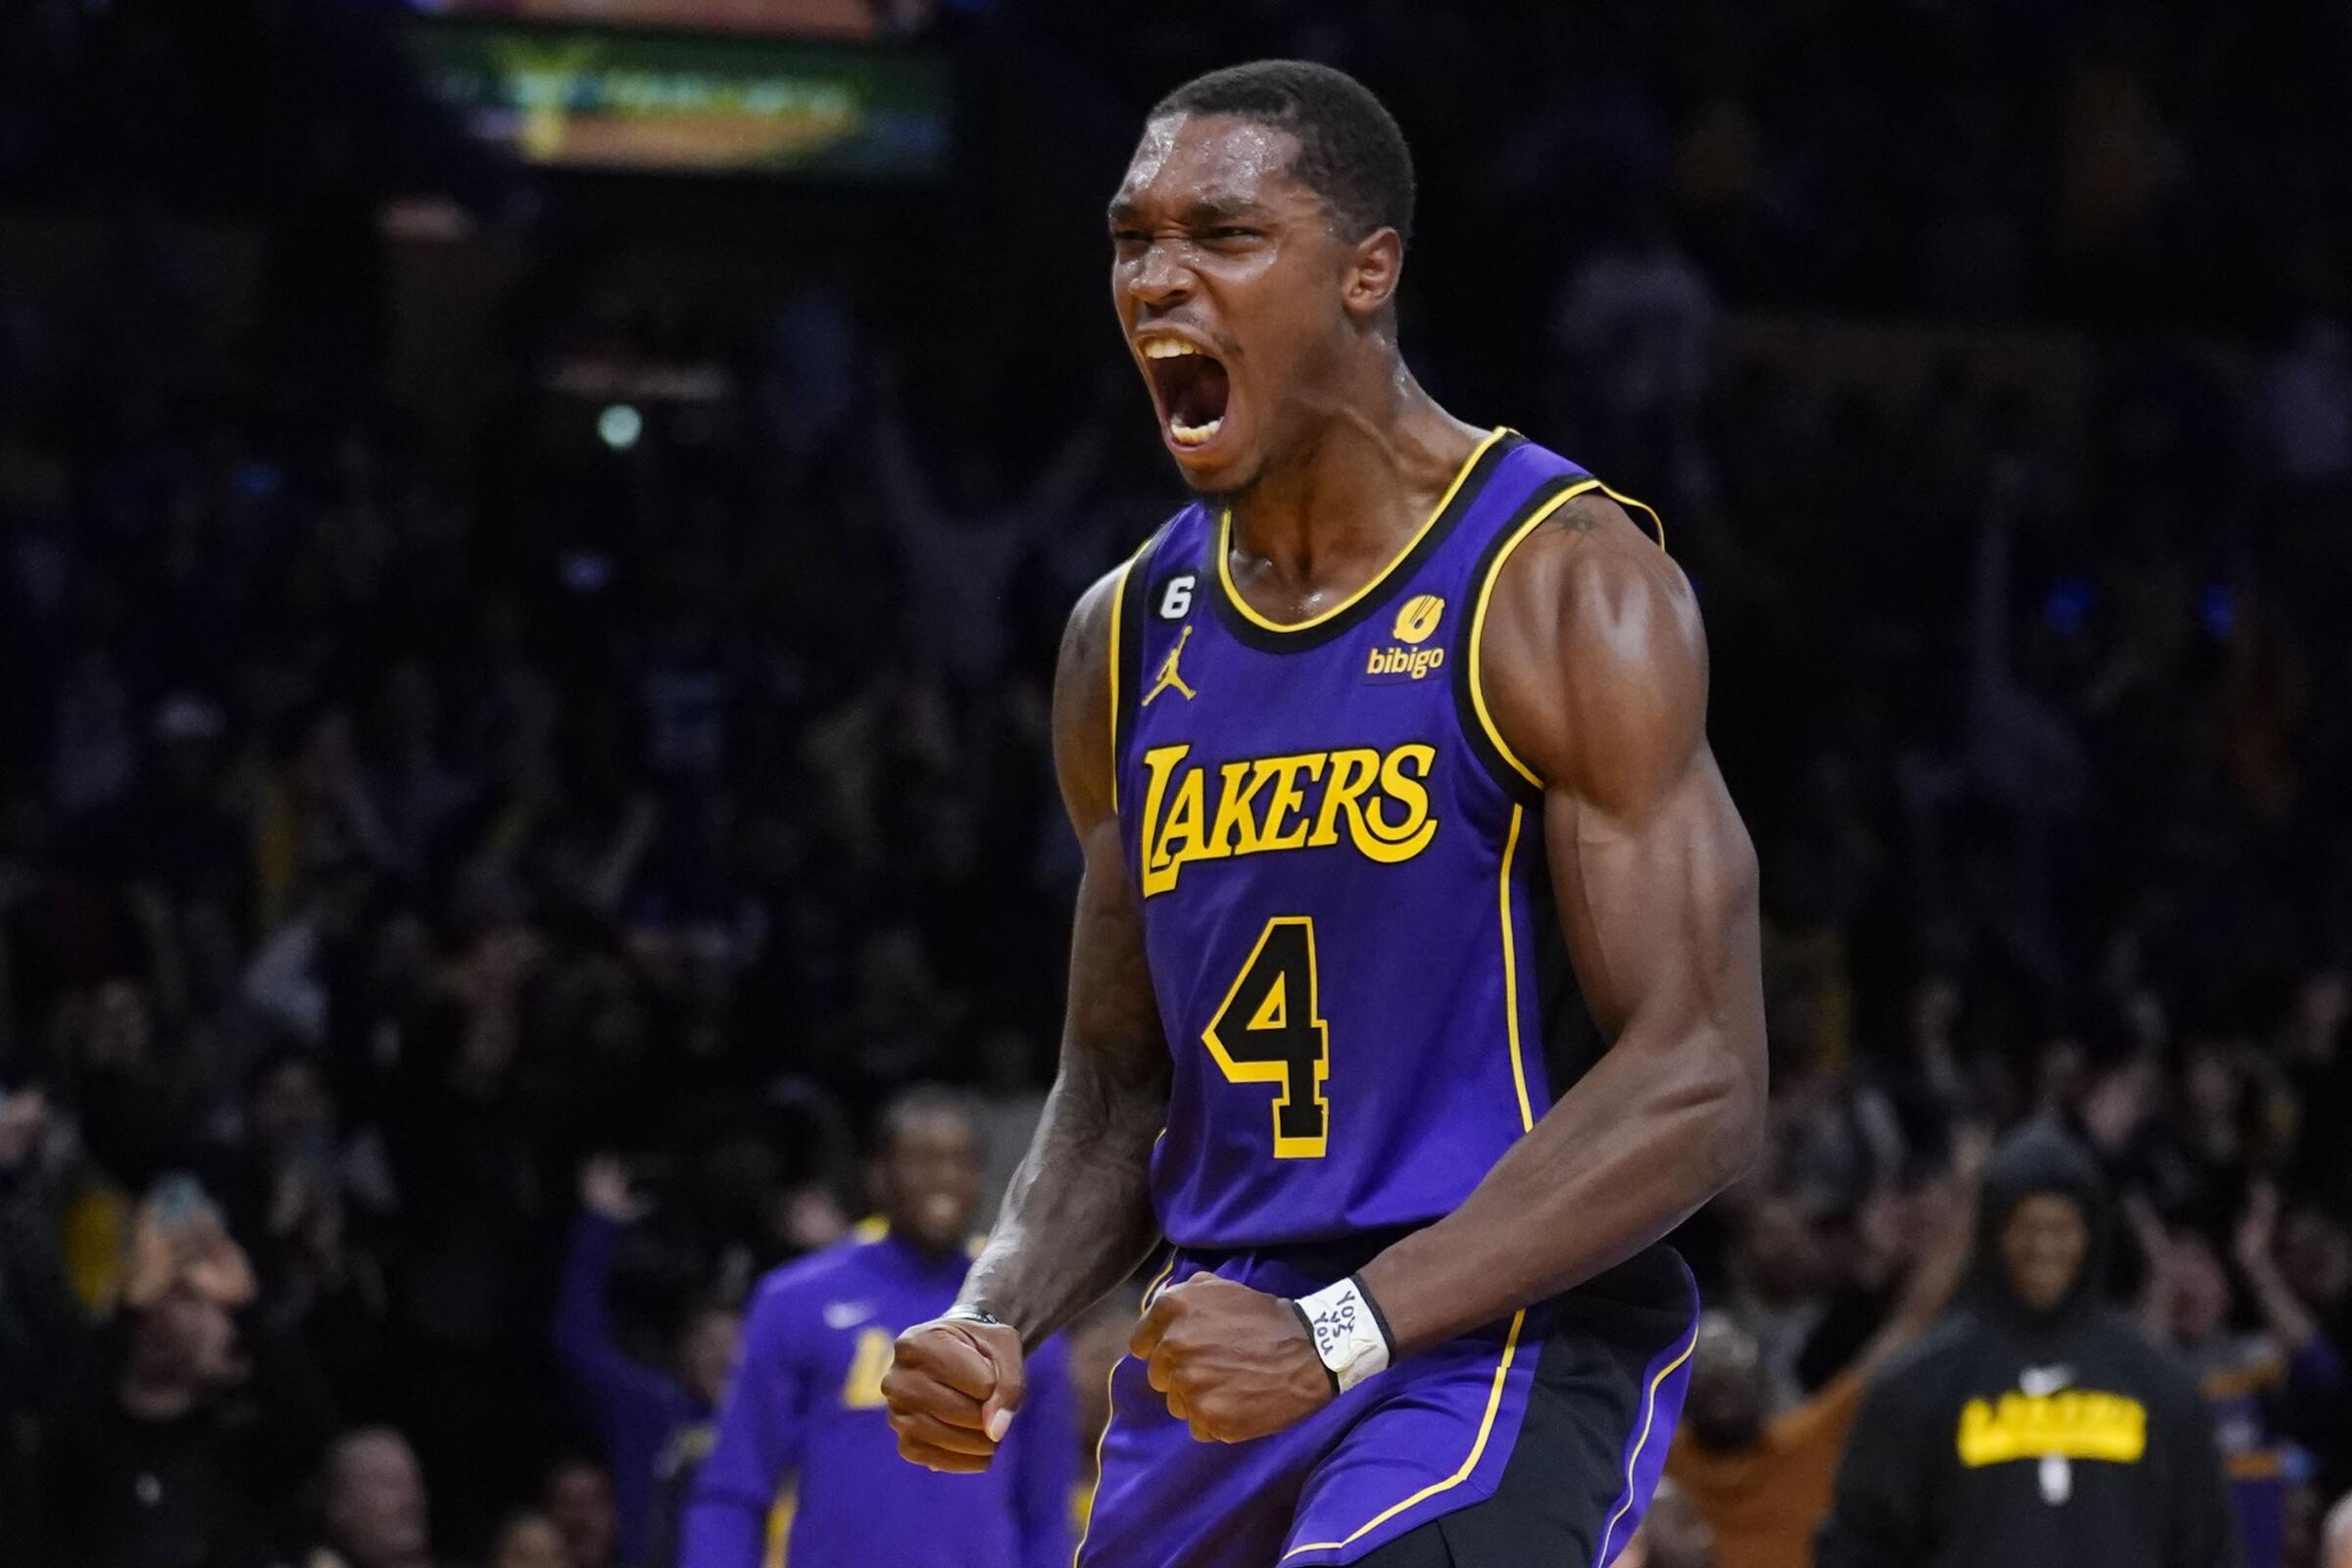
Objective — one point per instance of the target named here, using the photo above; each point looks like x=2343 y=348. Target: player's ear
x=1374 y=268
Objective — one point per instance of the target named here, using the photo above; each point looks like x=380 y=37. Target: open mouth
x=1192 y=389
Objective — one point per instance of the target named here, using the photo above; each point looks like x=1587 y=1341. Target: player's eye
x=1127 y=238
x=1228 y=231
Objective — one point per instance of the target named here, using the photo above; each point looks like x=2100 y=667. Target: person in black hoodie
x=2033 y=1425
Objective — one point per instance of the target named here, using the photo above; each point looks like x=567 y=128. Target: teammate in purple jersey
x=1414 y=988
x=805 y=1410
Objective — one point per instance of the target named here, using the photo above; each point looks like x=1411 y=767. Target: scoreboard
x=767 y=88
x=816 y=19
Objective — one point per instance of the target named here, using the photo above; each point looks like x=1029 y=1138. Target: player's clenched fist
x=952 y=1389
x=1233 y=1362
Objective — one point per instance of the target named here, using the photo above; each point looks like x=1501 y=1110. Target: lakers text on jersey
x=1343 y=894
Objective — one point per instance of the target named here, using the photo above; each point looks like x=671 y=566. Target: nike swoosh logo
x=2044 y=1381
x=847 y=1314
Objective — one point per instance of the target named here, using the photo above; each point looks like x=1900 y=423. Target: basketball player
x=806 y=1407
x=1396 y=724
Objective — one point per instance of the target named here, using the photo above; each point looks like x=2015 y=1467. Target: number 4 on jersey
x=1270 y=1030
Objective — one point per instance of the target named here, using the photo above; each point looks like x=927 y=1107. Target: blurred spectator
x=40 y=1322
x=2337 y=1539
x=406 y=795
x=2307 y=407
x=649 y=1418
x=173 y=828
x=175 y=1447
x=1779 y=1274
x=578 y=1495
x=808 y=1407
x=283 y=1187
x=1635 y=329
x=528 y=1541
x=373 y=1514
x=959 y=555
x=1761 y=1479
x=1673 y=1534
x=2265 y=1388
x=1008 y=1103
x=2033 y=1426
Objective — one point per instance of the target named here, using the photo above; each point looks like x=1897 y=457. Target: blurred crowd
x=392 y=827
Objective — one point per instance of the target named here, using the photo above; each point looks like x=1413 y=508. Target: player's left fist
x=952 y=1387
x=1232 y=1363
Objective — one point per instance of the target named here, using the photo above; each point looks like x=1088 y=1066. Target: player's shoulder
x=1087 y=636
x=1086 y=639
x=1588 y=566
x=1590 y=600
x=1577 y=559
x=1590 y=651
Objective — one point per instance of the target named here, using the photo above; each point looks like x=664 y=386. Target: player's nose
x=1159 y=279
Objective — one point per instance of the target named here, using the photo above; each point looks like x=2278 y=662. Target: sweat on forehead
x=1321 y=126
x=1212 y=161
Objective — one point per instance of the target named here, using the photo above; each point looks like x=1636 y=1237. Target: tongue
x=1200 y=398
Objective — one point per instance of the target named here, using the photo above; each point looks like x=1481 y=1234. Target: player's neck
x=1324 y=519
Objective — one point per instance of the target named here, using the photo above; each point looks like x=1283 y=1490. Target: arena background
x=532 y=537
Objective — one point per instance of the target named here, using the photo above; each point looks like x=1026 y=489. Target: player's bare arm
x=1077 y=1219
x=1595 y=670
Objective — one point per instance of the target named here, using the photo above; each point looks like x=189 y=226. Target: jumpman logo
x=1169 y=676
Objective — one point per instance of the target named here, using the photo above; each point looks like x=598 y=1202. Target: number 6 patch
x=1176 y=600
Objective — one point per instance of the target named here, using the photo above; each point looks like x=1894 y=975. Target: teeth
x=1192 y=435
x=1167 y=348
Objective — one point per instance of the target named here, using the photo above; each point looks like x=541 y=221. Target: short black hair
x=917 y=1102
x=1351 y=152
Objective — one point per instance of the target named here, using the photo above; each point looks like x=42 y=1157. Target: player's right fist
x=952 y=1389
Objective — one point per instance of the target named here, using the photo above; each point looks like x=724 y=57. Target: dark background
x=361 y=706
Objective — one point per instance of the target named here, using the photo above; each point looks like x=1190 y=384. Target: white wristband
x=1348 y=1333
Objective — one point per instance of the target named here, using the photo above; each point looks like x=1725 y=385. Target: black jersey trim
x=1127 y=629
x=1268 y=638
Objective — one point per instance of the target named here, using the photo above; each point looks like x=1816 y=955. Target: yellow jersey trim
x=1110 y=1410
x=779 y=1526
x=1650 y=1415
x=1119 y=603
x=1527 y=1123
x=1485 y=1429
x=1157 y=1280
x=1478 y=622
x=1510 y=969
x=1478 y=611
x=1242 y=606
x=2264 y=1465
x=1656 y=521
x=874 y=1227
x=2233 y=1383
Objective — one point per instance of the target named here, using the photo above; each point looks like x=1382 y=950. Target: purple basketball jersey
x=1342 y=879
